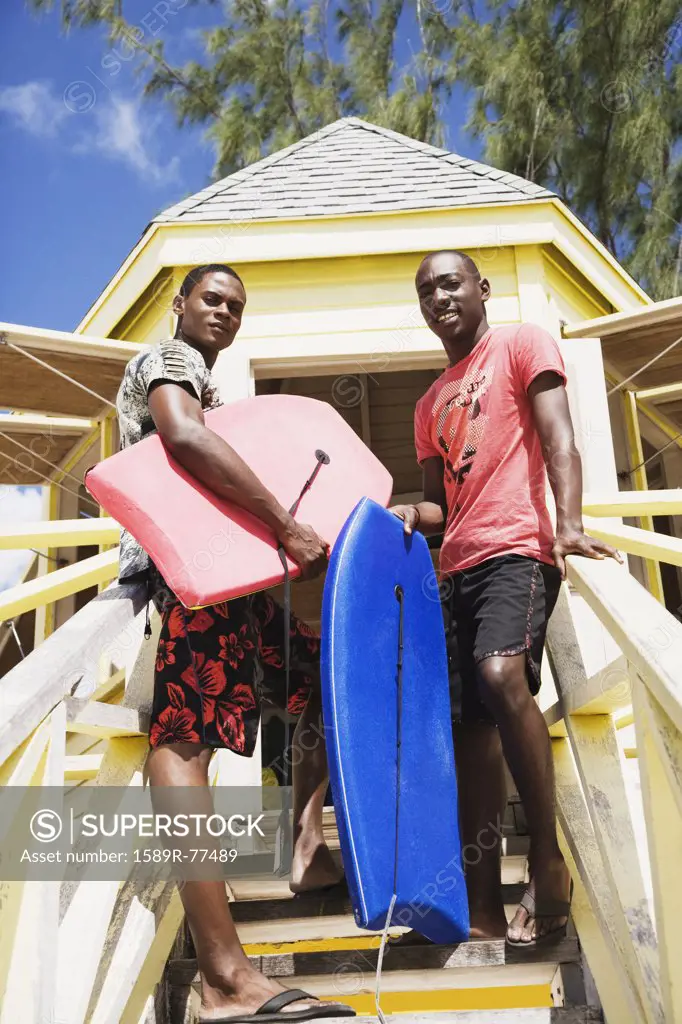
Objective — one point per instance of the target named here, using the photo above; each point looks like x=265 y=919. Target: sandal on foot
x=269 y=1013
x=550 y=908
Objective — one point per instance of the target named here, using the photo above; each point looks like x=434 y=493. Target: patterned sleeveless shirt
x=175 y=361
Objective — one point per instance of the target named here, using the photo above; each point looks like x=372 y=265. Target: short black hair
x=197 y=274
x=463 y=256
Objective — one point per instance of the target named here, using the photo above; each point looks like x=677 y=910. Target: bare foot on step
x=313 y=868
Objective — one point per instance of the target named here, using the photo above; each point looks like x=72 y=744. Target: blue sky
x=17 y=504
x=86 y=164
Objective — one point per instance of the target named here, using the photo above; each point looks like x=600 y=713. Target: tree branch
x=122 y=28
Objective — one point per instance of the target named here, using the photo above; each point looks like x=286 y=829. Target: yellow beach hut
x=327 y=235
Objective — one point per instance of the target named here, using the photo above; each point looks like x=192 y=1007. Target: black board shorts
x=500 y=607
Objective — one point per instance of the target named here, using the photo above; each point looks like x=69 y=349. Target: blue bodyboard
x=392 y=767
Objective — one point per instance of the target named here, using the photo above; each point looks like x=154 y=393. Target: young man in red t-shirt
x=487 y=433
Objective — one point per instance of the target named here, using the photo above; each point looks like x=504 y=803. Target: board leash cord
x=285 y=831
x=400 y=597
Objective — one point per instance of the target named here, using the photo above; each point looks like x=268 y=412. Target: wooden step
x=514 y=873
x=536 y=1015
x=182 y=1014
x=266 y=911
x=442 y=959
x=469 y=976
x=315 y=917
x=104 y=721
x=284 y=906
x=490 y=953
x=541 y=1015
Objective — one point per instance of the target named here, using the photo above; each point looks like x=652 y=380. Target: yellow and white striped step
x=468 y=976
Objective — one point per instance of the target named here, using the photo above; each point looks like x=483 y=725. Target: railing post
x=106 y=449
x=664 y=838
x=594 y=439
x=45 y=617
x=235 y=378
x=639 y=480
x=597 y=655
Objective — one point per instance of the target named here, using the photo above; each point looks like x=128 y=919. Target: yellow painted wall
x=150 y=319
x=571 y=295
x=323 y=298
x=334 y=296
x=481 y=229
x=289 y=300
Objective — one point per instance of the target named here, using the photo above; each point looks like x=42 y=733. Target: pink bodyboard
x=209 y=550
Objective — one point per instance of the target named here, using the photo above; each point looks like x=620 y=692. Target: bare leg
x=482 y=799
x=313 y=866
x=230 y=985
x=527 y=748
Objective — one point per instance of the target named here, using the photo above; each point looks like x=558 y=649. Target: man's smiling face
x=451 y=298
x=212 y=312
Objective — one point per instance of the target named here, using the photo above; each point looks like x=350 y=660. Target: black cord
x=625 y=473
x=61 y=562
x=286 y=835
x=400 y=597
x=286 y=838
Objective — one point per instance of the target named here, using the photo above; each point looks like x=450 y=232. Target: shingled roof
x=349 y=167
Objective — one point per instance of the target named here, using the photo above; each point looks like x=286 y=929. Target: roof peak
x=351 y=166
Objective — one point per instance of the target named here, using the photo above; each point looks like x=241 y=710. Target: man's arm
x=553 y=422
x=179 y=419
x=429 y=515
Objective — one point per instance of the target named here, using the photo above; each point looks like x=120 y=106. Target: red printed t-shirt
x=477 y=417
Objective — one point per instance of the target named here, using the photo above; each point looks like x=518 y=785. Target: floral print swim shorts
x=214 y=667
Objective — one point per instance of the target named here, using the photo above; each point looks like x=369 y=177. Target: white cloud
x=91 y=124
x=124 y=133
x=17 y=505
x=34 y=107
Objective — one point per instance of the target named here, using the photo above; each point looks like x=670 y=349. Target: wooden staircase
x=312 y=942
x=77 y=706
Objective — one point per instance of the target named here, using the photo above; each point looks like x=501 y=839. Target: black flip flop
x=550 y=908
x=269 y=1013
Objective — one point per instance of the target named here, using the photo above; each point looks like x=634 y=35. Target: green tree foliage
x=583 y=96
x=268 y=78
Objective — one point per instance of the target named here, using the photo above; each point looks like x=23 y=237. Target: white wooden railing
x=90 y=683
